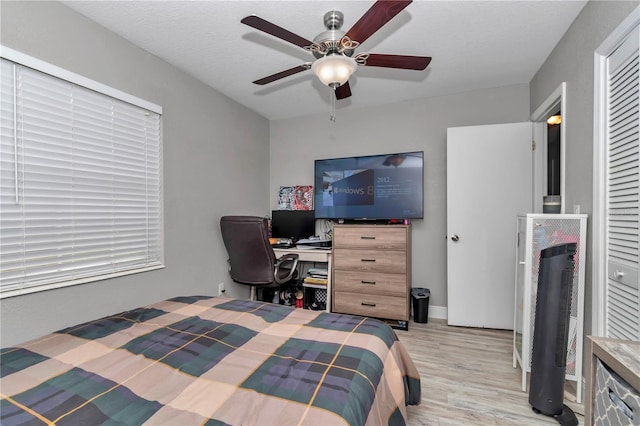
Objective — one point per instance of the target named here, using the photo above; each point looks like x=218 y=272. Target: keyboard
x=314 y=242
x=282 y=245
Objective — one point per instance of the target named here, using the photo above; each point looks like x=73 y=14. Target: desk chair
x=251 y=258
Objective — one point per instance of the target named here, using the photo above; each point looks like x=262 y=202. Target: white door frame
x=557 y=99
x=599 y=277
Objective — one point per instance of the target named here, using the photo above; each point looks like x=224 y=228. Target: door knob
x=455 y=238
x=618 y=274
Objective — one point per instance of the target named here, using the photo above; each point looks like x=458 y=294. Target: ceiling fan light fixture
x=334 y=70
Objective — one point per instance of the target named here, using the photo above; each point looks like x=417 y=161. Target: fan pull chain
x=332 y=113
x=332 y=102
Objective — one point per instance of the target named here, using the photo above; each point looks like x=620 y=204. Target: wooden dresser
x=371 y=270
x=613 y=382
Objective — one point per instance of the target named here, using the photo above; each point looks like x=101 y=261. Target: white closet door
x=622 y=224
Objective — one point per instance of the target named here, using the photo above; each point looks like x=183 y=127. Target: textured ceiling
x=474 y=45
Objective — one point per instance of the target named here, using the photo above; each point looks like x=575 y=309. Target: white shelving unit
x=536 y=232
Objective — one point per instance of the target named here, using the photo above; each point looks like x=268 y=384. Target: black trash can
x=420 y=299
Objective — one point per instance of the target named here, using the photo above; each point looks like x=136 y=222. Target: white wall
x=214 y=151
x=572 y=61
x=408 y=126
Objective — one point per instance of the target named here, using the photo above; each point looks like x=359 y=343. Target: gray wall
x=209 y=141
x=408 y=126
x=572 y=61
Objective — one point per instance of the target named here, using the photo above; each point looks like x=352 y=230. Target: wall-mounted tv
x=388 y=186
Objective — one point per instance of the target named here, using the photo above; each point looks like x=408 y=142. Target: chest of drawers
x=371 y=270
x=613 y=382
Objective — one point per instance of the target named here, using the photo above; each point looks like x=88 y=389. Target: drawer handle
x=373 y=305
x=364 y=237
x=368 y=282
x=620 y=404
x=367 y=260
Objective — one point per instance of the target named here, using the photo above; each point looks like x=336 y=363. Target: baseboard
x=438 y=312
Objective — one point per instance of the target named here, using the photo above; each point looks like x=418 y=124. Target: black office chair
x=251 y=258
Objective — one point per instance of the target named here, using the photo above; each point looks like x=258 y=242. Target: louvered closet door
x=623 y=294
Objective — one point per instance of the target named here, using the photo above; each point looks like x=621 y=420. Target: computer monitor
x=295 y=224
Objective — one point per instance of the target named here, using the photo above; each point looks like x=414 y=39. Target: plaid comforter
x=201 y=360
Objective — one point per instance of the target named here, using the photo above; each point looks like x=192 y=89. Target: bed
x=201 y=360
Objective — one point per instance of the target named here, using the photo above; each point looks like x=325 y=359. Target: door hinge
x=533 y=145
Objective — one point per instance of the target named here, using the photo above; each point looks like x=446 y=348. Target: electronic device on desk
x=293 y=224
x=313 y=242
x=283 y=243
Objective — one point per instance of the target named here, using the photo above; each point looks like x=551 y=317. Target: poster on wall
x=303 y=197
x=285 y=197
x=299 y=197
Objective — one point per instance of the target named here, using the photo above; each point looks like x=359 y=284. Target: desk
x=313 y=255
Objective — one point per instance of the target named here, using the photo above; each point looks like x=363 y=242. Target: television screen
x=386 y=186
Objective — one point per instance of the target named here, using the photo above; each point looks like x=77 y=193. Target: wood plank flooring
x=468 y=378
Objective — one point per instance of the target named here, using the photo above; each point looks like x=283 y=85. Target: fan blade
x=396 y=61
x=379 y=14
x=283 y=74
x=276 y=31
x=343 y=91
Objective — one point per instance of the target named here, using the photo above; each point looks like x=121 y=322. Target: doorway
x=549 y=155
x=554 y=153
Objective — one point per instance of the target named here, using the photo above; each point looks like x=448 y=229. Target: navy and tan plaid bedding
x=209 y=361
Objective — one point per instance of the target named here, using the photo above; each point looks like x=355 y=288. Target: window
x=80 y=179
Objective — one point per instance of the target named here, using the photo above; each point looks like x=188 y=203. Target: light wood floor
x=468 y=378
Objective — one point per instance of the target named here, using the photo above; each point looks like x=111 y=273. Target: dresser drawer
x=370 y=237
x=394 y=262
x=615 y=401
x=375 y=306
x=370 y=283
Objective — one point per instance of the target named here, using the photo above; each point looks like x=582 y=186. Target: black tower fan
x=551 y=332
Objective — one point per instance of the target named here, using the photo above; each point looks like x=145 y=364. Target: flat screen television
x=389 y=186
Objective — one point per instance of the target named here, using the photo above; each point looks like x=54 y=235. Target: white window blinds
x=80 y=183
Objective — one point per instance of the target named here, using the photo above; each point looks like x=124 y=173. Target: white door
x=622 y=297
x=489 y=181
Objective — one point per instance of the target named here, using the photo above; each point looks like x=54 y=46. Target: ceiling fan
x=334 y=49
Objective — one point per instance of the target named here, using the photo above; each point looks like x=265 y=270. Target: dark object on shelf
x=317 y=298
x=318 y=306
x=420 y=299
x=551 y=204
x=396 y=324
x=288 y=295
x=550 y=334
